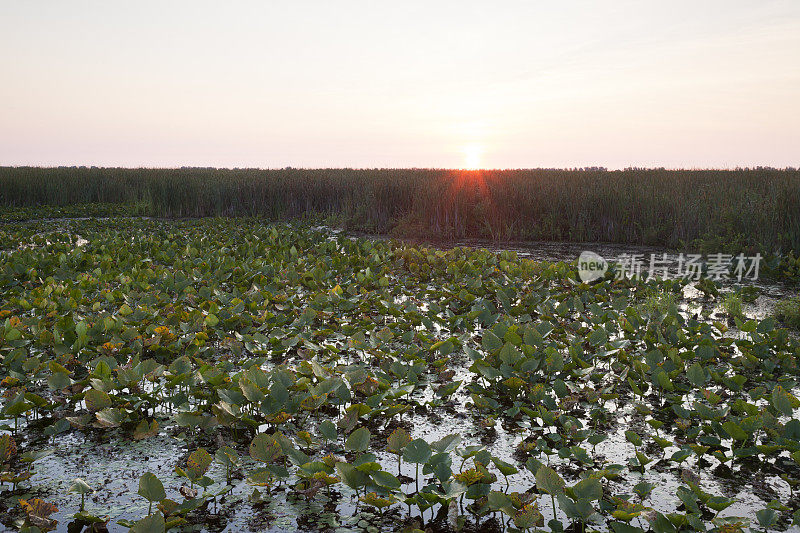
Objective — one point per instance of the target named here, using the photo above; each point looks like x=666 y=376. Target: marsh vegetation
x=222 y=373
x=738 y=210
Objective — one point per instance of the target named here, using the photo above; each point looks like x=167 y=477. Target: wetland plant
x=79 y=486
x=732 y=304
x=305 y=348
x=151 y=489
x=787 y=311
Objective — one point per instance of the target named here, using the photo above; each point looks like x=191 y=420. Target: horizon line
x=495 y=169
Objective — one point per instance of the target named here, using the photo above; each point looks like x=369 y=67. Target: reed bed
x=756 y=208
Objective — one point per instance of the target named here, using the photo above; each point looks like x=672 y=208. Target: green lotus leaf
x=153 y=523
x=417 y=451
x=358 y=440
x=151 y=488
x=548 y=481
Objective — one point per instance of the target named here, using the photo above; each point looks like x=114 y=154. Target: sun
x=472 y=156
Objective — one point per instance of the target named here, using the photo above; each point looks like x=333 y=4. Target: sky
x=678 y=84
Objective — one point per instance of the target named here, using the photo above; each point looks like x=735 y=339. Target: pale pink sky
x=701 y=83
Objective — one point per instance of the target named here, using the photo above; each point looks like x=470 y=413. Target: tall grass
x=756 y=208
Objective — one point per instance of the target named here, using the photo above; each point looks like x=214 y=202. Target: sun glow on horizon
x=472 y=156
